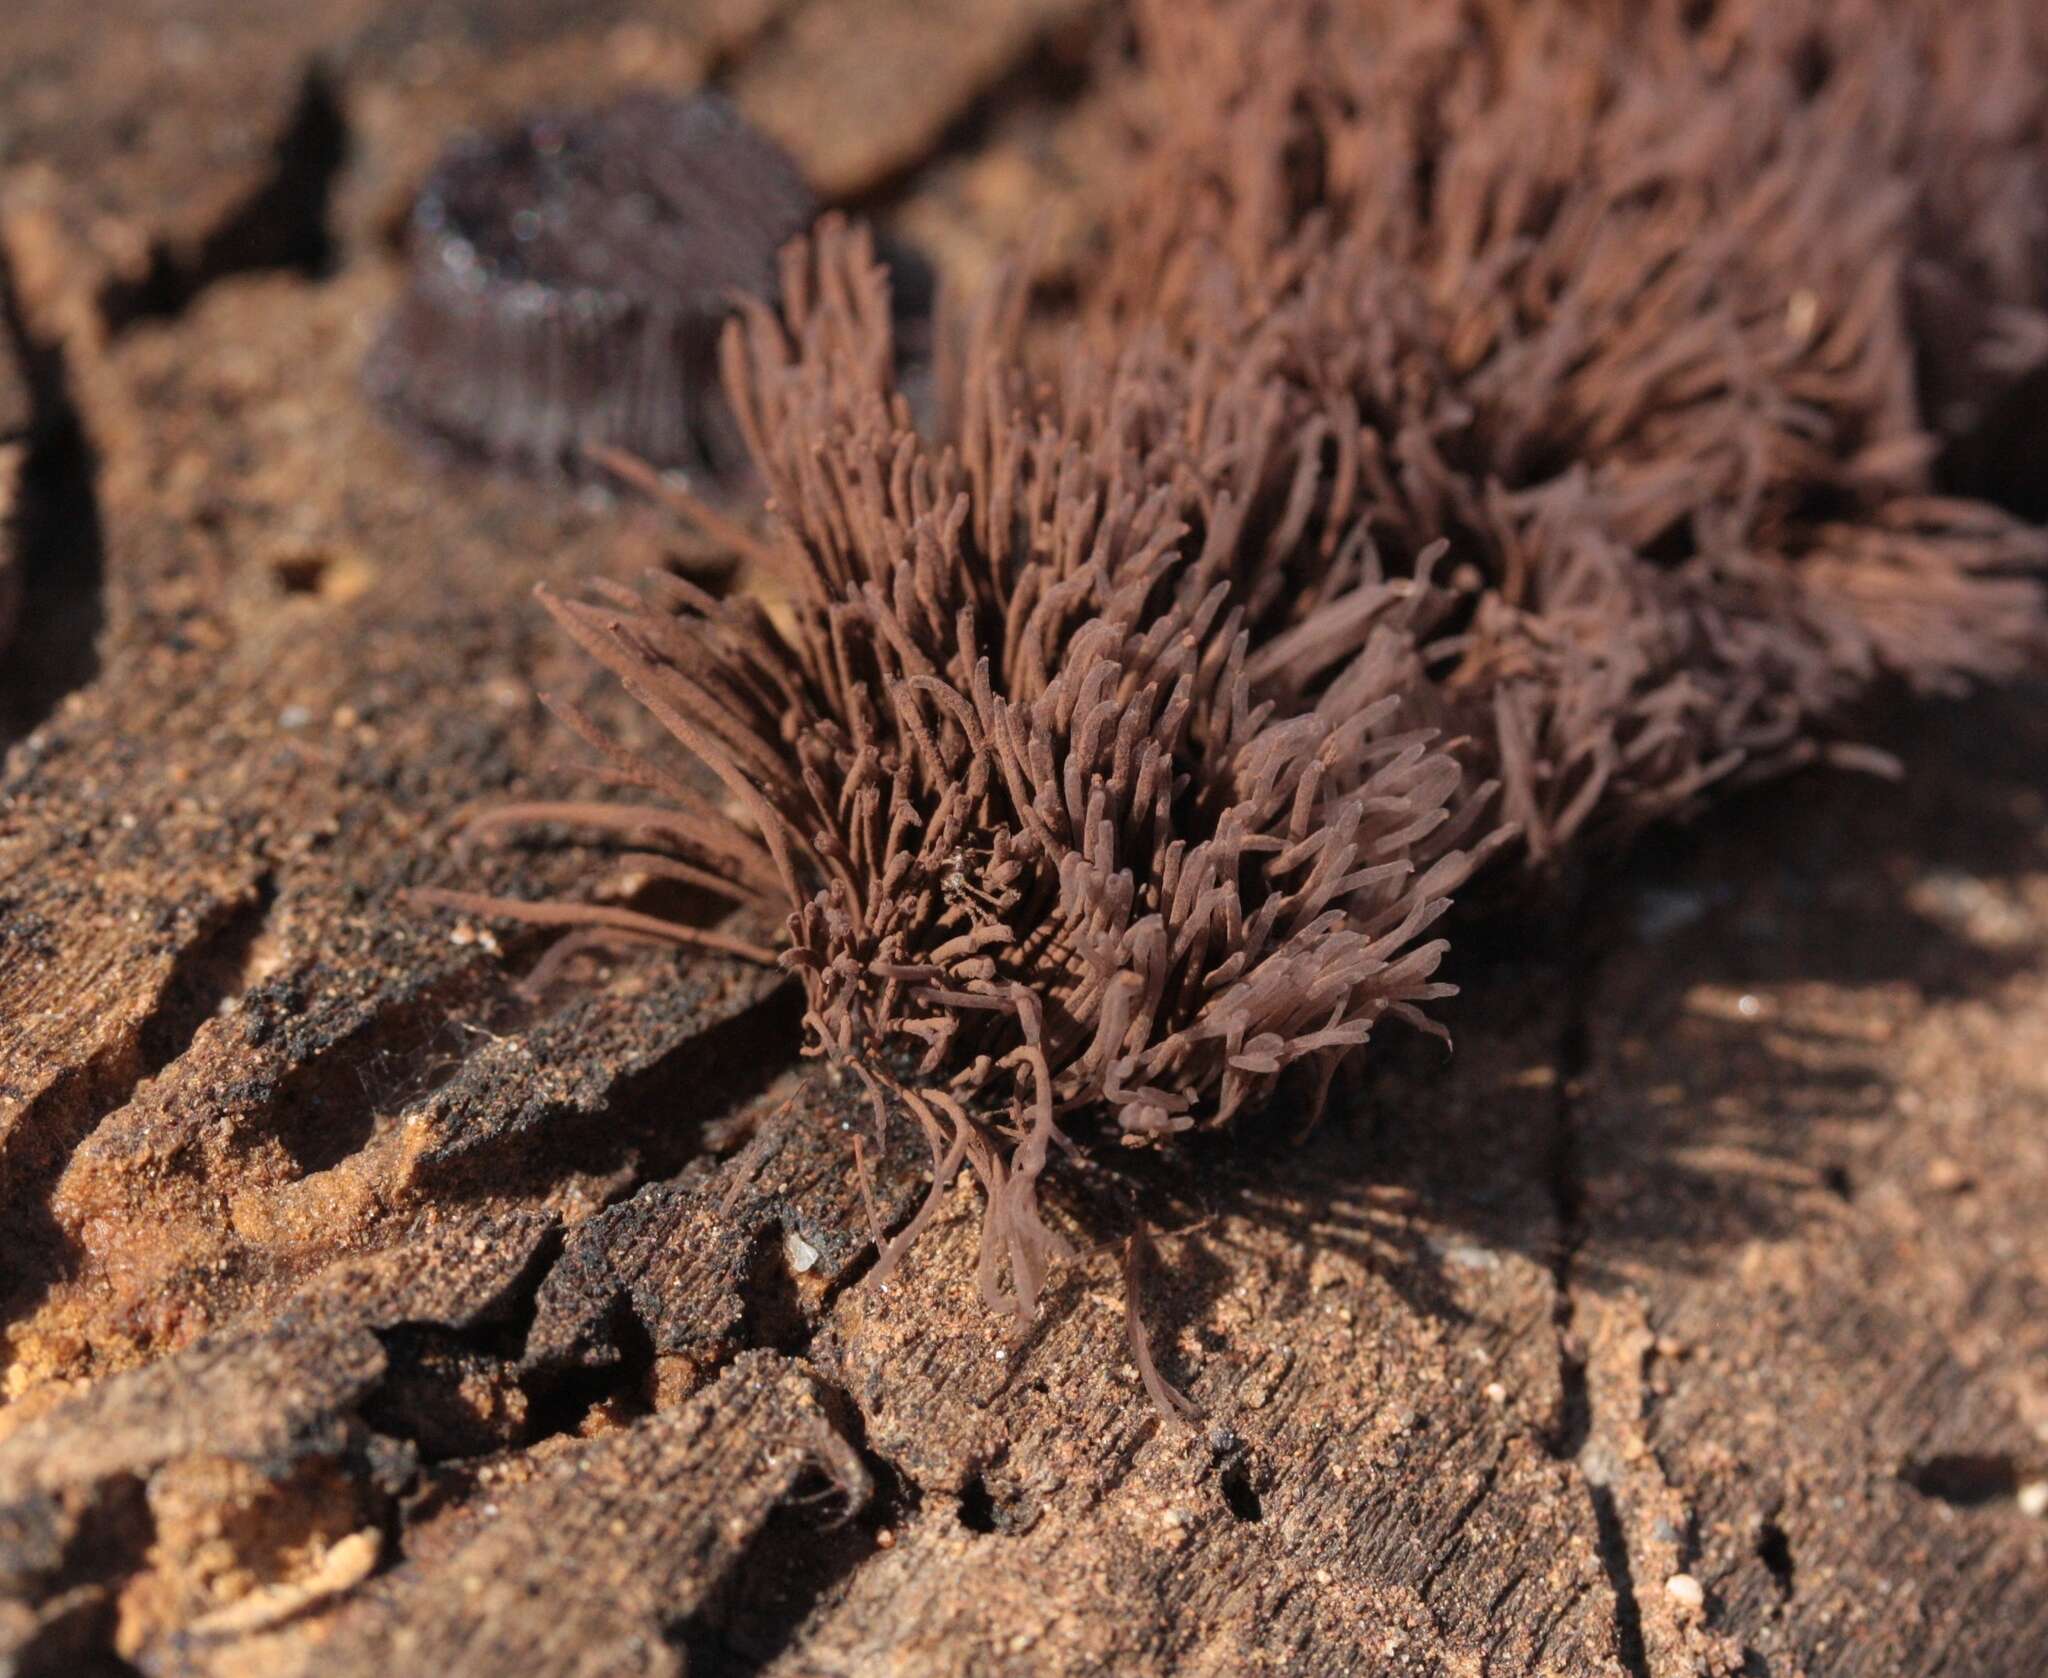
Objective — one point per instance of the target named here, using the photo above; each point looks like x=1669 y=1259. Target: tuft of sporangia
x=1491 y=427
x=1008 y=769
x=1627 y=319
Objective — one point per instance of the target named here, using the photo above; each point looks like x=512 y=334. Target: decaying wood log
x=366 y=1310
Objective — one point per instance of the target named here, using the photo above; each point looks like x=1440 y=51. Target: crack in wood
x=1575 y=1411
x=58 y=534
x=403 y=1049
x=798 y=1559
x=691 y=1065
x=1620 y=1566
x=1052 y=73
x=282 y=222
x=1569 y=1440
x=81 y=1534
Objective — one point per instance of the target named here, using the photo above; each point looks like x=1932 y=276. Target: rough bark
x=363 y=1312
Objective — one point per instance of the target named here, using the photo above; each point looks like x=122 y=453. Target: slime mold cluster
x=1489 y=428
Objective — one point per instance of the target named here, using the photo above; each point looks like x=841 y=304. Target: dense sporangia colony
x=1044 y=842
x=1489 y=428
x=1951 y=102
x=1630 y=331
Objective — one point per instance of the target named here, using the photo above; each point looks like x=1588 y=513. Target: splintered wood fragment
x=594 y=1559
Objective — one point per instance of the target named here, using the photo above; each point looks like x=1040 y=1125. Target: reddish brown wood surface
x=361 y=1313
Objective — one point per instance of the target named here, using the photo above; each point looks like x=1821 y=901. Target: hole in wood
x=1240 y=1496
x=1966 y=1479
x=300 y=573
x=1774 y=1550
x=977 y=1507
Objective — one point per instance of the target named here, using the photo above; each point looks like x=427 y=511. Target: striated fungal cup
x=568 y=281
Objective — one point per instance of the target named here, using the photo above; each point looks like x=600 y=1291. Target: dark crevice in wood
x=326 y=1109
x=800 y=1560
x=385 y=1473
x=978 y=1506
x=657 y=1114
x=793 y=1564
x=1054 y=73
x=565 y=1398
x=301 y=574
x=443 y=1396
x=58 y=536
x=1575 y=1421
x=1964 y=1479
x=1774 y=1550
x=1620 y=1570
x=108 y=1545
x=1575 y=1418
x=457 y=1392
x=76 y=1641
x=208 y=977
x=775 y=1318
x=112 y=1538
x=283 y=223
x=653 y=1121
x=1240 y=1496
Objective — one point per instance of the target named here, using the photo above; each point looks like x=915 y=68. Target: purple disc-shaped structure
x=569 y=280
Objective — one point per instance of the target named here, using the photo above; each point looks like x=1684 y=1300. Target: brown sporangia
x=1953 y=101
x=1043 y=845
x=568 y=280
x=1487 y=431
x=1628 y=326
